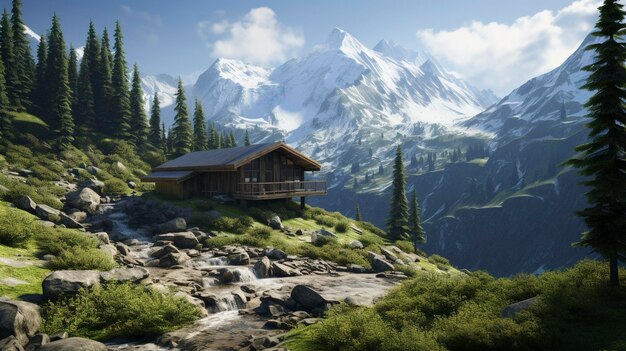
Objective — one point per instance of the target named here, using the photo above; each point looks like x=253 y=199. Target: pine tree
x=38 y=95
x=181 y=135
x=24 y=63
x=8 y=59
x=225 y=142
x=119 y=81
x=200 y=140
x=104 y=82
x=57 y=108
x=163 y=139
x=4 y=103
x=155 y=137
x=415 y=223
x=138 y=118
x=72 y=75
x=246 y=140
x=397 y=223
x=232 y=141
x=84 y=112
x=169 y=142
x=214 y=138
x=603 y=158
x=357 y=213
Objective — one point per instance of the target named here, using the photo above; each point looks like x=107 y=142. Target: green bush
x=16 y=227
x=118 y=310
x=41 y=192
x=342 y=226
x=115 y=186
x=324 y=240
x=325 y=220
x=237 y=225
x=81 y=258
x=73 y=250
x=372 y=229
x=438 y=260
x=261 y=232
x=405 y=246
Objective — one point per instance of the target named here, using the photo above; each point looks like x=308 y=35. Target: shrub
x=405 y=245
x=261 y=232
x=408 y=270
x=237 y=225
x=438 y=260
x=41 y=192
x=322 y=240
x=80 y=258
x=342 y=226
x=325 y=220
x=115 y=186
x=16 y=227
x=373 y=229
x=73 y=250
x=118 y=310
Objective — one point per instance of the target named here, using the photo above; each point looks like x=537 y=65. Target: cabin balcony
x=279 y=190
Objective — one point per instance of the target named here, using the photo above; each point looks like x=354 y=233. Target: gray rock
x=47 y=213
x=124 y=275
x=19 y=319
x=10 y=343
x=84 y=199
x=173 y=259
x=58 y=336
x=92 y=184
x=324 y=232
x=263 y=268
x=37 y=341
x=93 y=170
x=74 y=344
x=164 y=250
x=182 y=240
x=69 y=282
x=388 y=254
x=103 y=237
x=132 y=184
x=239 y=259
x=355 y=244
x=122 y=249
x=379 y=264
x=78 y=216
x=175 y=225
x=276 y=254
x=511 y=310
x=69 y=222
x=26 y=203
x=308 y=298
x=280 y=270
x=275 y=223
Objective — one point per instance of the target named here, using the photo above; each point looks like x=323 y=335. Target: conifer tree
x=121 y=125
x=8 y=59
x=104 y=92
x=397 y=222
x=163 y=139
x=603 y=158
x=155 y=135
x=357 y=213
x=246 y=140
x=84 y=112
x=415 y=223
x=138 y=118
x=24 y=63
x=200 y=140
x=39 y=86
x=58 y=105
x=231 y=138
x=224 y=141
x=169 y=142
x=4 y=103
x=181 y=134
x=72 y=74
x=213 y=137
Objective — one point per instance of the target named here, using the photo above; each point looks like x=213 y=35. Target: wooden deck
x=279 y=190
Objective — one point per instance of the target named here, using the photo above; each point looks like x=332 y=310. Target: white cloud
x=256 y=38
x=502 y=56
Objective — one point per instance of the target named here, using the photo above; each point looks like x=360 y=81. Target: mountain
x=322 y=102
x=515 y=210
x=164 y=85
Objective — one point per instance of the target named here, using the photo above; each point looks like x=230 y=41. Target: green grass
x=32 y=273
x=118 y=310
x=576 y=310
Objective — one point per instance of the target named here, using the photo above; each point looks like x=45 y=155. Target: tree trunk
x=614 y=272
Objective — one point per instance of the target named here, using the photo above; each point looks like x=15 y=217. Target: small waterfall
x=216 y=261
x=227 y=303
x=245 y=275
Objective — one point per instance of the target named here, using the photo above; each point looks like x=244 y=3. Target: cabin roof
x=230 y=159
x=168 y=176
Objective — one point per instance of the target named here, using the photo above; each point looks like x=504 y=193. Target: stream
x=229 y=320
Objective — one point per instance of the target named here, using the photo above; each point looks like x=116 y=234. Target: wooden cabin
x=255 y=172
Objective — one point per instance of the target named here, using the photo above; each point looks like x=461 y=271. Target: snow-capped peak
x=391 y=49
x=338 y=39
x=246 y=75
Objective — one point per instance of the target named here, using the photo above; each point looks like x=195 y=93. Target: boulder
x=37 y=341
x=388 y=254
x=103 y=237
x=239 y=259
x=280 y=270
x=306 y=297
x=175 y=225
x=163 y=250
x=93 y=170
x=92 y=184
x=355 y=244
x=132 y=184
x=19 y=319
x=324 y=232
x=124 y=275
x=182 y=240
x=84 y=199
x=379 y=264
x=120 y=166
x=173 y=259
x=69 y=222
x=511 y=310
x=47 y=213
x=26 y=203
x=69 y=282
x=276 y=254
x=122 y=249
x=275 y=223
x=78 y=216
x=10 y=343
x=74 y=344
x=263 y=268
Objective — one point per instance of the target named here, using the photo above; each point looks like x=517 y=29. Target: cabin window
x=269 y=167
x=251 y=171
x=289 y=171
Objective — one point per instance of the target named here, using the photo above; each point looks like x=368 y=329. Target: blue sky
x=184 y=37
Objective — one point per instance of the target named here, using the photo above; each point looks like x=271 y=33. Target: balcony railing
x=270 y=190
